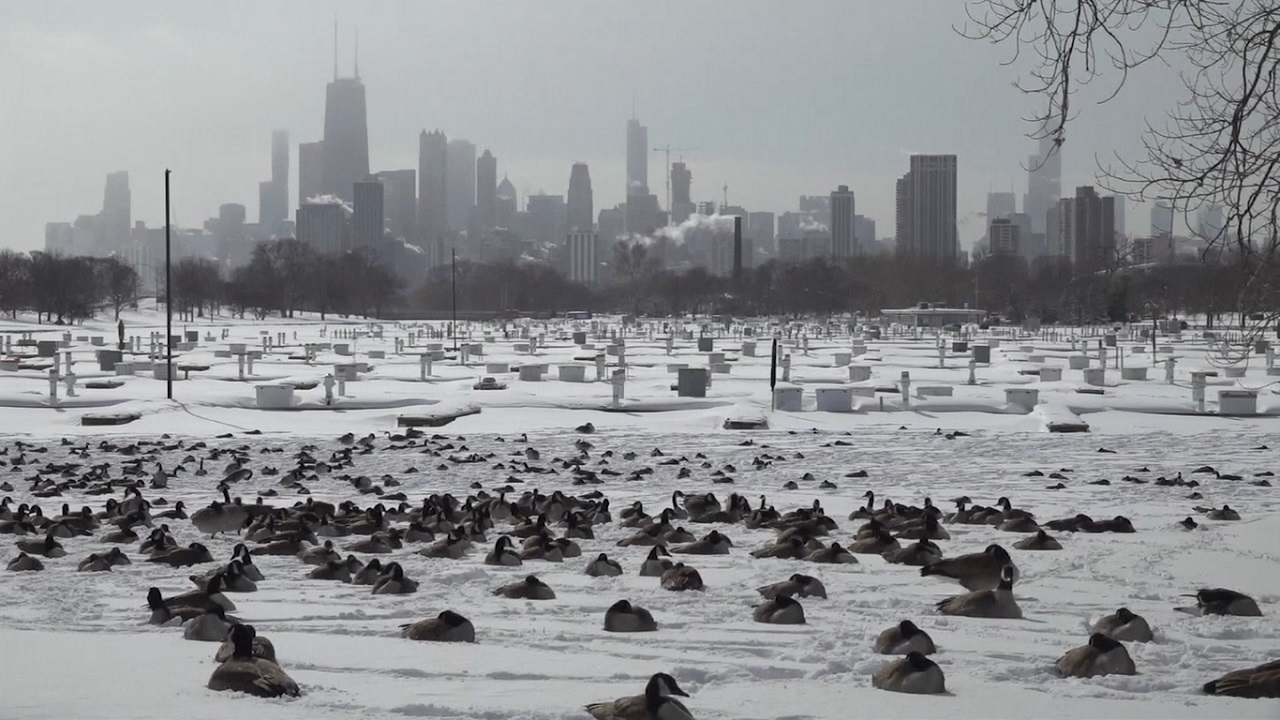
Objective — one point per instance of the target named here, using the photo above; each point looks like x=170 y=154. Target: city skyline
x=766 y=161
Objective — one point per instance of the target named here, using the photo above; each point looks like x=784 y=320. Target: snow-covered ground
x=77 y=644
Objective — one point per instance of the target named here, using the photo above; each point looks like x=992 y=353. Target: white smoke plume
x=677 y=234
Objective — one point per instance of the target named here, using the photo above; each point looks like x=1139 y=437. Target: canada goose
x=622 y=616
x=1223 y=513
x=451 y=547
x=801 y=585
x=448 y=626
x=1188 y=524
x=655 y=565
x=1117 y=524
x=1040 y=541
x=1020 y=524
x=331 y=570
x=208 y=592
x=928 y=530
x=1100 y=656
x=699 y=505
x=834 y=554
x=121 y=536
x=177 y=512
x=502 y=554
x=920 y=553
x=48 y=546
x=530 y=588
x=603 y=566
x=1125 y=626
x=792 y=548
x=393 y=582
x=713 y=543
x=905 y=637
x=319 y=555
x=657 y=703
x=1220 y=601
x=247 y=566
x=542 y=549
x=369 y=574
x=233 y=578
x=880 y=542
x=682 y=577
x=220 y=517
x=94 y=563
x=193 y=554
x=975 y=571
x=209 y=626
x=779 y=610
x=24 y=563
x=243 y=672
x=914 y=673
x=677 y=512
x=1262 y=681
x=865 y=512
x=997 y=603
x=262 y=648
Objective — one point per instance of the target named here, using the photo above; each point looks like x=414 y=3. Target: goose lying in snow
x=657 y=703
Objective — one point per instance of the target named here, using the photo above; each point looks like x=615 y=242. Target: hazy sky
x=777 y=99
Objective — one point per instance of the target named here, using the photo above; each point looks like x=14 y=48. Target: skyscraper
x=273 y=195
x=1004 y=236
x=487 y=191
x=1093 y=230
x=117 y=211
x=681 y=185
x=280 y=159
x=933 y=207
x=546 y=218
x=460 y=187
x=310 y=170
x=1001 y=205
x=844 y=243
x=583 y=258
x=368 y=215
x=581 y=211
x=761 y=228
x=400 y=202
x=324 y=225
x=638 y=159
x=1162 y=218
x=1044 y=183
x=902 y=214
x=433 y=182
x=864 y=234
x=346 y=137
x=507 y=204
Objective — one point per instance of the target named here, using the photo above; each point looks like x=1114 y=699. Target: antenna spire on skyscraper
x=357 y=54
x=335 y=46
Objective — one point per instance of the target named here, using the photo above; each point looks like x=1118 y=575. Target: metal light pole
x=168 y=296
x=453 y=261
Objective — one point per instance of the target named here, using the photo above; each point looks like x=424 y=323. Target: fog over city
x=773 y=100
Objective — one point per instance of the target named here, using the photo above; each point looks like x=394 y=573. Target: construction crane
x=666 y=151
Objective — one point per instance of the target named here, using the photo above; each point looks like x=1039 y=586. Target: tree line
x=1008 y=286
x=63 y=289
x=286 y=276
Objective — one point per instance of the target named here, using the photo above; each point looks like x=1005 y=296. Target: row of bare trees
x=64 y=289
x=284 y=277
x=1006 y=286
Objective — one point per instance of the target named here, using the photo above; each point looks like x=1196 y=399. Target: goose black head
x=451 y=618
x=1102 y=643
x=622 y=606
x=908 y=629
x=918 y=661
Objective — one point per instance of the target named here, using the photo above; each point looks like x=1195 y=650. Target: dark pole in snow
x=168 y=296
x=453 y=258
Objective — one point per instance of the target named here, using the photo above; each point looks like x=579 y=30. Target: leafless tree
x=1218 y=147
